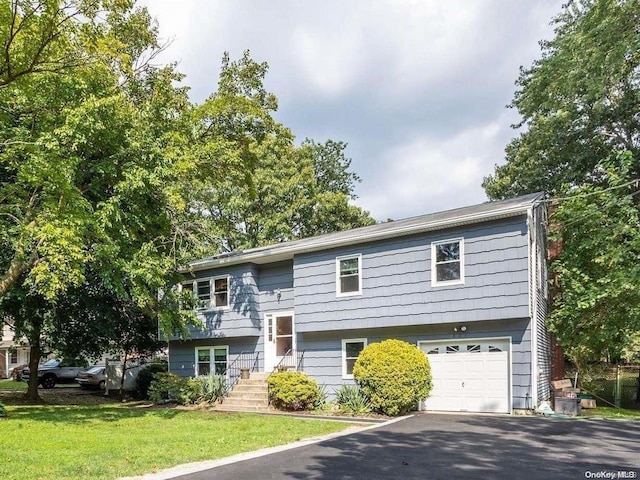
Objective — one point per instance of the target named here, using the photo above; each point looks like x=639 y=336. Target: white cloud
x=428 y=174
x=416 y=87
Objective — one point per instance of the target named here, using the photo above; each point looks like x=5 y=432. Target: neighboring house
x=12 y=353
x=466 y=286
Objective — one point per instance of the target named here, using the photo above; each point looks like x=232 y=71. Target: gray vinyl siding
x=323 y=350
x=182 y=353
x=396 y=281
x=541 y=298
x=242 y=317
x=275 y=284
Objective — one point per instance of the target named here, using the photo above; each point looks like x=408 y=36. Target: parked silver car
x=94 y=377
x=57 y=370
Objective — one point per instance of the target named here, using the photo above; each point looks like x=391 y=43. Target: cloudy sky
x=417 y=88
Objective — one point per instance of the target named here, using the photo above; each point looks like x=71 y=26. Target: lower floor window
x=211 y=360
x=350 y=350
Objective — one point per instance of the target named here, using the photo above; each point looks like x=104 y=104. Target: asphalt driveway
x=429 y=446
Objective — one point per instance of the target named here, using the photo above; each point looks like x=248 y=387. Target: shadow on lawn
x=82 y=414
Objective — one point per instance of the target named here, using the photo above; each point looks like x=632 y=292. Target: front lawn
x=610 y=412
x=12 y=385
x=111 y=441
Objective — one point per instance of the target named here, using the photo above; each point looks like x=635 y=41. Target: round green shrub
x=145 y=377
x=3 y=411
x=293 y=391
x=394 y=375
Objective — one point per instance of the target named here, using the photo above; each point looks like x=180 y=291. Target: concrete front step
x=248 y=395
x=234 y=403
x=251 y=382
x=241 y=387
x=230 y=408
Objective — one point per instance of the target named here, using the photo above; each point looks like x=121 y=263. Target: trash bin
x=567 y=406
x=244 y=373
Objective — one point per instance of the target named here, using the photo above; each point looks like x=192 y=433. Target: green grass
x=12 y=385
x=610 y=412
x=111 y=441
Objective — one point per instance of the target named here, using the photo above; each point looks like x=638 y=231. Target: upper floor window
x=221 y=292
x=447 y=262
x=209 y=292
x=349 y=275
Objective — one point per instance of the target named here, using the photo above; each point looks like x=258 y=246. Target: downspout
x=533 y=288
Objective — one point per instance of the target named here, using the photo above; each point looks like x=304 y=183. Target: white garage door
x=469 y=376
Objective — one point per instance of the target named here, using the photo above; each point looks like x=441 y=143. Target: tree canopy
x=580 y=140
x=111 y=179
x=596 y=310
x=578 y=103
x=251 y=184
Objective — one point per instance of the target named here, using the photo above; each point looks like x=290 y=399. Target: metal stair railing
x=244 y=360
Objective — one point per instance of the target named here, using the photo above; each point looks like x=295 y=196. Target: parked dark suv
x=57 y=370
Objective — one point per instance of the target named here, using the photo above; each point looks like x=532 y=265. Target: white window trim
x=211 y=280
x=434 y=275
x=213 y=292
x=345 y=375
x=211 y=356
x=348 y=257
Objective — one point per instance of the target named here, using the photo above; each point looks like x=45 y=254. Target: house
x=466 y=286
x=12 y=353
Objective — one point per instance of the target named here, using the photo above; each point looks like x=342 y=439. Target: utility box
x=567 y=406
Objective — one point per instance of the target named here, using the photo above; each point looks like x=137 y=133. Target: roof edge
x=287 y=250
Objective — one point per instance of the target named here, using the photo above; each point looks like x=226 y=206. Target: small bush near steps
x=293 y=391
x=171 y=388
x=394 y=375
x=145 y=377
x=352 y=400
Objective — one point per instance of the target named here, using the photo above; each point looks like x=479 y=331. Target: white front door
x=279 y=340
x=469 y=375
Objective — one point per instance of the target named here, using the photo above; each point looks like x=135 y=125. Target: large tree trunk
x=124 y=372
x=34 y=361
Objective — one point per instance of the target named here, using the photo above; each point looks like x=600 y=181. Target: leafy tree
x=578 y=103
x=596 y=310
x=29 y=314
x=110 y=179
x=93 y=319
x=88 y=162
x=251 y=183
x=580 y=120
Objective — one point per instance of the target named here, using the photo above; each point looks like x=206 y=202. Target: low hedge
x=293 y=391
